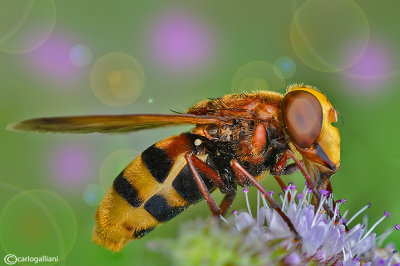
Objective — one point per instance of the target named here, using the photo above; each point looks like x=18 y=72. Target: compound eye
x=302 y=114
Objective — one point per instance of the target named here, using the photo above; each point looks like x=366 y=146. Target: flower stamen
x=386 y=215
x=285 y=197
x=384 y=235
x=245 y=191
x=336 y=211
x=258 y=203
x=318 y=210
x=322 y=241
x=389 y=260
x=223 y=219
x=358 y=213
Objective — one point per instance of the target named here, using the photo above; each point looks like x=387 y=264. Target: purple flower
x=262 y=237
x=322 y=239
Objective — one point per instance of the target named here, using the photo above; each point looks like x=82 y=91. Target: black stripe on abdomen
x=126 y=190
x=141 y=233
x=159 y=208
x=157 y=162
x=187 y=188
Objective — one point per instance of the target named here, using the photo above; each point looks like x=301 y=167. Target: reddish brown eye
x=302 y=114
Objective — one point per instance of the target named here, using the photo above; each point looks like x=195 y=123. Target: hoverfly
x=236 y=139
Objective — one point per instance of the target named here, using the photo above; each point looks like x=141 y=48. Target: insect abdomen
x=152 y=189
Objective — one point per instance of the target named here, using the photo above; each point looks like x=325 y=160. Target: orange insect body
x=235 y=137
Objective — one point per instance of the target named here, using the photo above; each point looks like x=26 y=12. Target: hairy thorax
x=255 y=137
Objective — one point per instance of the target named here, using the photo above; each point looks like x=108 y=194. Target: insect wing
x=112 y=123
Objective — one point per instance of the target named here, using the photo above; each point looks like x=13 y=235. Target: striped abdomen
x=152 y=189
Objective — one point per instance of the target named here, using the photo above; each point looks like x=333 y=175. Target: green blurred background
x=109 y=57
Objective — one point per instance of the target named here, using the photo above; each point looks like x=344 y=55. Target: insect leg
x=316 y=193
x=237 y=168
x=217 y=180
x=290 y=169
x=282 y=185
x=281 y=164
x=227 y=201
x=329 y=187
x=203 y=189
x=207 y=171
x=281 y=169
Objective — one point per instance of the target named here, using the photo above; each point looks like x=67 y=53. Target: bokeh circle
x=329 y=35
x=113 y=164
x=257 y=75
x=181 y=41
x=284 y=67
x=38 y=222
x=70 y=165
x=374 y=70
x=93 y=194
x=296 y=4
x=8 y=191
x=80 y=55
x=51 y=62
x=25 y=24
x=117 y=79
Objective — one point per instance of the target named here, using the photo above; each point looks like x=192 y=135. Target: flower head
x=265 y=238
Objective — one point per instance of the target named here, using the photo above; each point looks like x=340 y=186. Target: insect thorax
x=223 y=143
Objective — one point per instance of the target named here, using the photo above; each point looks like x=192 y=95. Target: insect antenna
x=176 y=112
x=340 y=116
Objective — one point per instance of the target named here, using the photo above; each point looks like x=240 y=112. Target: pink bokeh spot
x=371 y=71
x=51 y=60
x=71 y=165
x=180 y=41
